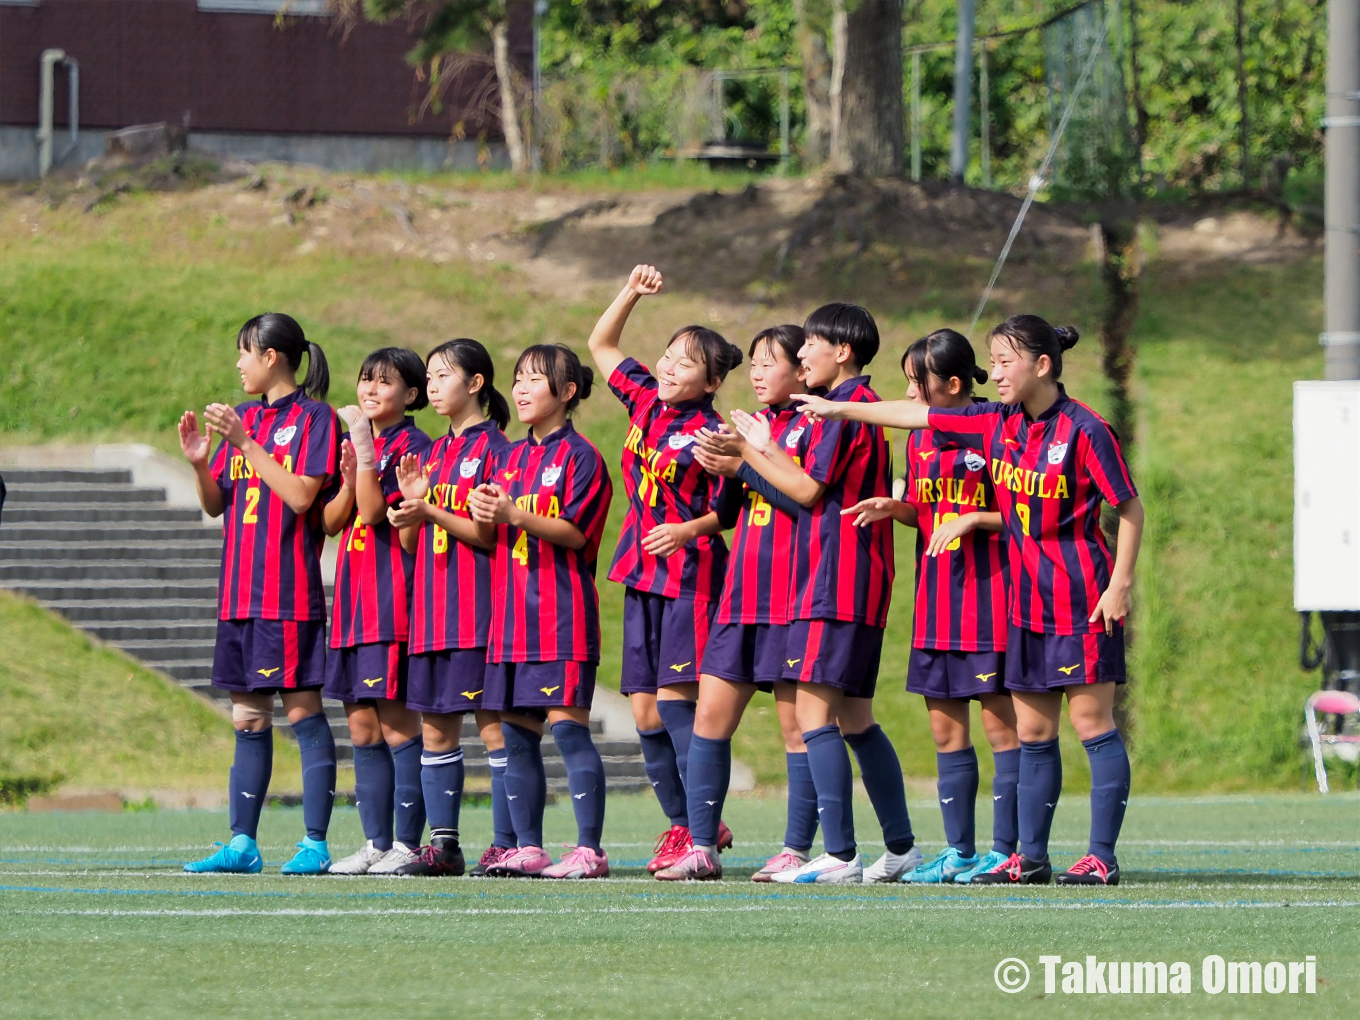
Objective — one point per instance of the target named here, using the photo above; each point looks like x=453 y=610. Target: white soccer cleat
x=359 y=862
x=399 y=855
x=891 y=867
x=824 y=870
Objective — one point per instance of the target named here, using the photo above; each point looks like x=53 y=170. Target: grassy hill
x=112 y=324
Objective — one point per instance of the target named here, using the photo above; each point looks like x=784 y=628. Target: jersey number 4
x=520 y=550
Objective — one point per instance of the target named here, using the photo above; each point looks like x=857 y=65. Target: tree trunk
x=514 y=137
x=868 y=133
x=816 y=84
x=836 y=158
x=1245 y=123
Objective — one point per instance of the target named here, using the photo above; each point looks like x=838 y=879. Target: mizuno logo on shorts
x=793 y=662
x=471 y=694
x=984 y=677
x=1067 y=670
x=373 y=682
x=547 y=691
x=268 y=672
x=678 y=666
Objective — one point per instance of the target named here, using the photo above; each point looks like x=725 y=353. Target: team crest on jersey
x=679 y=442
x=382 y=464
x=974 y=461
x=551 y=475
x=1056 y=452
x=284 y=436
x=791 y=440
x=469 y=466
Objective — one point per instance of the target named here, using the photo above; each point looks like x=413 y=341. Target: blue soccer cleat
x=313 y=858
x=239 y=857
x=991 y=859
x=948 y=863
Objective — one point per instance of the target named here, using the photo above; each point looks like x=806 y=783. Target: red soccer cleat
x=724 y=836
x=671 y=845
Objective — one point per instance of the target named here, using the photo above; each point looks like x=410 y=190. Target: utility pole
x=1342 y=211
x=963 y=89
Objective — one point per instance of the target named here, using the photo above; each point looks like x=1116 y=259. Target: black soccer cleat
x=1016 y=870
x=442 y=857
x=1090 y=870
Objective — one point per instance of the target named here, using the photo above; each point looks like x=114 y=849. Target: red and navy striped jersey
x=451 y=596
x=373 y=573
x=961 y=593
x=843 y=572
x=1050 y=476
x=759 y=584
x=665 y=485
x=544 y=607
x=271 y=556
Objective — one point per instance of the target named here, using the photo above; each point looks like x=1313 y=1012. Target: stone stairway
x=128 y=568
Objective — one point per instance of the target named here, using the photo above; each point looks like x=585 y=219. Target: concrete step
x=108 y=570
x=152 y=632
x=208 y=550
x=157 y=652
x=81 y=611
x=80 y=493
x=113 y=592
x=90 y=476
x=186 y=669
x=125 y=533
x=98 y=513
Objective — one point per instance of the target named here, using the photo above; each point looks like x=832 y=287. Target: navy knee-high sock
x=441 y=781
x=659 y=754
x=585 y=780
x=503 y=828
x=830 y=766
x=958 y=787
x=1036 y=796
x=801 y=828
x=318 y=773
x=882 y=775
x=526 y=784
x=1005 y=835
x=409 y=794
x=374 y=786
x=250 y=771
x=678 y=718
x=1109 y=791
x=710 y=772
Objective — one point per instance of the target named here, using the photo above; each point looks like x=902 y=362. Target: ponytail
x=946 y=354
x=274 y=331
x=471 y=358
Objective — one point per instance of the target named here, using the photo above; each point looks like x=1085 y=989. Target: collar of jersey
x=697 y=404
x=291 y=398
x=846 y=388
x=555 y=436
x=472 y=430
x=406 y=423
x=1056 y=409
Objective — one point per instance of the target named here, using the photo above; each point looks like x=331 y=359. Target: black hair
x=471 y=358
x=274 y=331
x=1035 y=336
x=841 y=323
x=703 y=344
x=560 y=365
x=945 y=353
x=788 y=339
x=386 y=362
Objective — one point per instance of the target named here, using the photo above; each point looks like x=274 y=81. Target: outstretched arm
x=604 y=338
x=893 y=414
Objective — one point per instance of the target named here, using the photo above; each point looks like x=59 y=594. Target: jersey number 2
x=252 y=501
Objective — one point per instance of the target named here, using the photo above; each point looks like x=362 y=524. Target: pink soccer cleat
x=580 y=862
x=785 y=860
x=525 y=862
x=695 y=866
x=724 y=836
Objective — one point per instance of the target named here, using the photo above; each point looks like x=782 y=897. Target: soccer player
x=451 y=597
x=745 y=652
x=545 y=508
x=1052 y=460
x=267 y=476
x=670 y=555
x=842 y=585
x=959 y=626
x=366 y=665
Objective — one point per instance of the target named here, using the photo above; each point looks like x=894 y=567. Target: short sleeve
x=828 y=443
x=1103 y=460
x=417 y=443
x=972 y=426
x=586 y=494
x=632 y=382
x=320 y=452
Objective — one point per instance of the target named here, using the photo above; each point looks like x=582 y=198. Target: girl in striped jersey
x=366 y=665
x=746 y=650
x=670 y=555
x=1052 y=461
x=451 y=597
x=545 y=509
x=269 y=476
x=959 y=625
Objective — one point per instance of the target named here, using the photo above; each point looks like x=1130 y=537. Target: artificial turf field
x=96 y=919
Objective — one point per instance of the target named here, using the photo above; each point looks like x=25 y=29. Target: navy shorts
x=663 y=640
x=531 y=688
x=446 y=681
x=940 y=673
x=366 y=672
x=264 y=656
x=746 y=653
x=838 y=653
x=1047 y=662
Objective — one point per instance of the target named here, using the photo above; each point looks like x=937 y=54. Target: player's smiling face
x=533 y=396
x=1016 y=373
x=682 y=375
x=384 y=400
x=821 y=360
x=773 y=376
x=449 y=390
x=257 y=370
